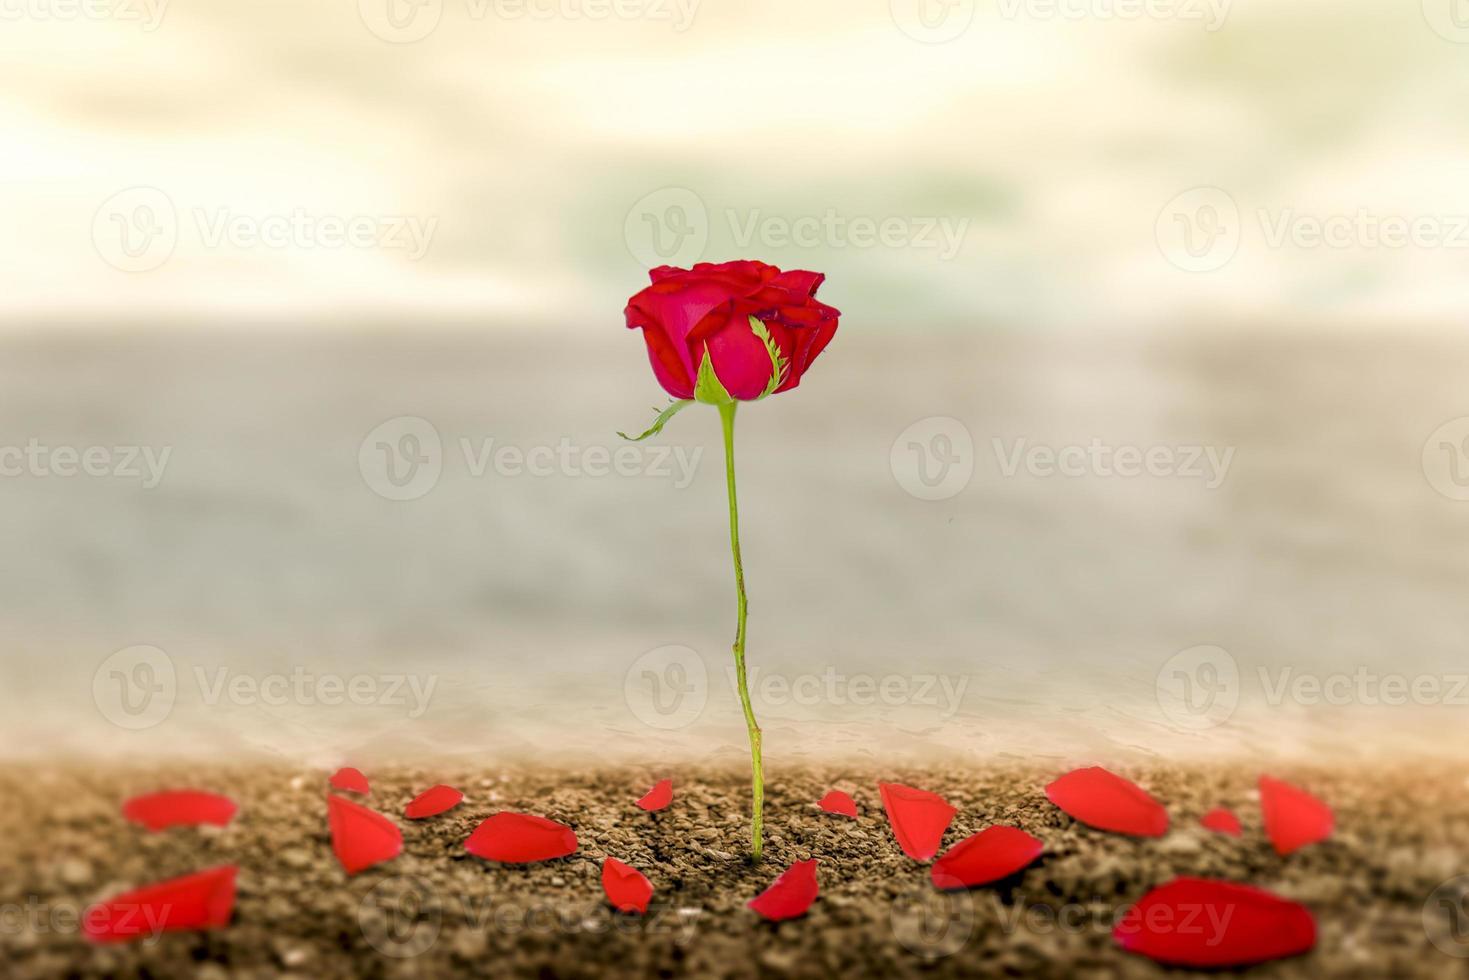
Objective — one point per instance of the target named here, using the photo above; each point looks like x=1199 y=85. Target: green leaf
x=778 y=364
x=659 y=422
x=707 y=387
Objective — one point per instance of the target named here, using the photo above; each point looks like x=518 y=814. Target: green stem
x=757 y=780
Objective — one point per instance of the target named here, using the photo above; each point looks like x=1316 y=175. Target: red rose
x=760 y=328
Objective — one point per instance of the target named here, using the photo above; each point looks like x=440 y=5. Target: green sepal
x=707 y=387
x=778 y=364
x=660 y=421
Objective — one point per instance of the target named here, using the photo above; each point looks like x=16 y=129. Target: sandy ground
x=1377 y=888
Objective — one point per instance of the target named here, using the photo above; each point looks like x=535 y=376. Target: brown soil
x=436 y=911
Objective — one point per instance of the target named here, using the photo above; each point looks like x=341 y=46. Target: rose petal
x=1293 y=817
x=1196 y=922
x=1222 y=821
x=839 y=803
x=991 y=854
x=183 y=807
x=919 y=818
x=626 y=888
x=1106 y=801
x=205 y=900
x=790 y=895
x=685 y=313
x=658 y=797
x=350 y=780
x=360 y=837
x=519 y=838
x=432 y=802
x=672 y=307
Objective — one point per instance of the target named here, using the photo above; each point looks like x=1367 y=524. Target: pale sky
x=208 y=160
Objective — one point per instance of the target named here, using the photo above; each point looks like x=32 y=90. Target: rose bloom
x=688 y=312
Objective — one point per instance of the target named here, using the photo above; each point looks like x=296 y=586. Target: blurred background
x=1145 y=431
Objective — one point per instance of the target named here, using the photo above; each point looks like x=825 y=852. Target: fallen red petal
x=991 y=854
x=1106 y=801
x=1293 y=817
x=919 y=818
x=790 y=895
x=351 y=781
x=205 y=900
x=658 y=797
x=183 y=807
x=519 y=838
x=432 y=802
x=360 y=837
x=839 y=803
x=1197 y=922
x=1222 y=821
x=626 y=888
